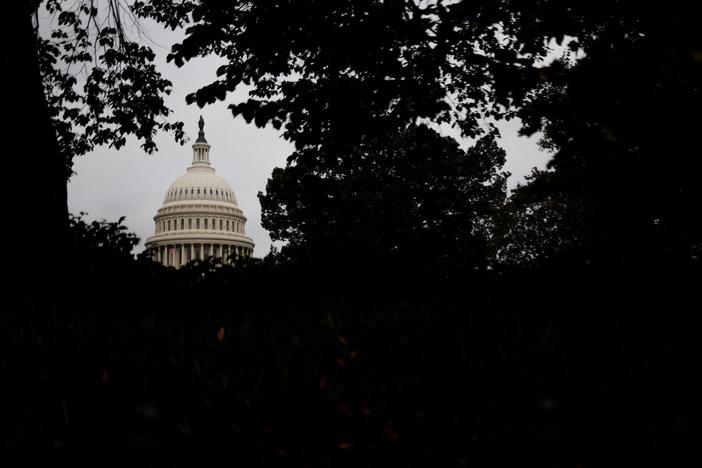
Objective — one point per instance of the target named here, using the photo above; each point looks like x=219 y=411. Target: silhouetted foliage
x=536 y=224
x=405 y=200
x=621 y=122
x=414 y=317
x=335 y=71
x=100 y=85
x=150 y=366
x=74 y=82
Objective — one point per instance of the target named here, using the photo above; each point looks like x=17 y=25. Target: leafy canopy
x=411 y=196
x=100 y=86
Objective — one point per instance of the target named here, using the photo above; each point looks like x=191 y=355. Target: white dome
x=200 y=183
x=200 y=216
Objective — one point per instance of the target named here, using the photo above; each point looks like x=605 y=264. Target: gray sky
x=110 y=183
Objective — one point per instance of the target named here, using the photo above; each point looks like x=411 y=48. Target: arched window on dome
x=227 y=225
x=221 y=223
x=205 y=223
x=198 y=190
x=197 y=223
x=182 y=224
x=214 y=225
x=190 y=223
x=169 y=224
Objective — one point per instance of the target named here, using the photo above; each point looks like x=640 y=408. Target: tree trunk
x=35 y=192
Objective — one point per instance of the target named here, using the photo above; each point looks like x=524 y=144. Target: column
x=202 y=251
x=182 y=254
x=192 y=251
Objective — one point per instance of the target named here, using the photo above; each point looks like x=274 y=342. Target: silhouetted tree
x=77 y=83
x=335 y=70
x=411 y=198
x=622 y=123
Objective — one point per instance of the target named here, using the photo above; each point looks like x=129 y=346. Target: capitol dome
x=200 y=216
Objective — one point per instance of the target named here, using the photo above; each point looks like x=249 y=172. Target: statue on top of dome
x=201 y=133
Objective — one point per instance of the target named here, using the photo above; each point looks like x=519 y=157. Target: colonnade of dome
x=199 y=217
x=178 y=254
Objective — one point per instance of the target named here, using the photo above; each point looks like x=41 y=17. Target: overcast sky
x=109 y=183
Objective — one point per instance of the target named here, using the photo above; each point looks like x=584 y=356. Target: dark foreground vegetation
x=268 y=364
x=276 y=364
x=418 y=315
